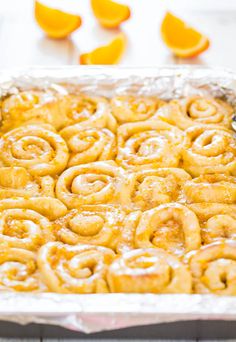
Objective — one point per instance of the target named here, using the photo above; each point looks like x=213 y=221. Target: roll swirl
x=147 y=189
x=149 y=144
x=36 y=148
x=211 y=188
x=74 y=269
x=211 y=150
x=217 y=221
x=24 y=228
x=100 y=225
x=213 y=268
x=194 y=111
x=27 y=107
x=133 y=108
x=171 y=226
x=89 y=144
x=148 y=271
x=19 y=271
x=88 y=112
x=94 y=183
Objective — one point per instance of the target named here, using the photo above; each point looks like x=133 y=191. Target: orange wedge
x=110 y=14
x=55 y=23
x=183 y=41
x=107 y=54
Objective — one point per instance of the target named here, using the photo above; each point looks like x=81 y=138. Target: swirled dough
x=211 y=188
x=195 y=111
x=149 y=271
x=213 y=268
x=89 y=144
x=149 y=144
x=36 y=148
x=209 y=151
x=217 y=221
x=19 y=271
x=147 y=189
x=171 y=226
x=75 y=269
x=94 y=183
x=132 y=108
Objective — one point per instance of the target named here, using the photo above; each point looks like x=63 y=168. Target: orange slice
x=110 y=14
x=183 y=41
x=55 y=23
x=107 y=54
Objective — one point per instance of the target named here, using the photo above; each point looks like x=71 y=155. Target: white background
x=22 y=42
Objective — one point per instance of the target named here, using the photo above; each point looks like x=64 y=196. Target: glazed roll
x=24 y=228
x=18 y=182
x=147 y=189
x=26 y=223
x=75 y=269
x=134 y=108
x=149 y=271
x=37 y=148
x=149 y=144
x=171 y=226
x=100 y=225
x=89 y=144
x=213 y=268
x=94 y=183
x=217 y=221
x=88 y=112
x=194 y=111
x=209 y=151
x=19 y=271
x=27 y=107
x=211 y=188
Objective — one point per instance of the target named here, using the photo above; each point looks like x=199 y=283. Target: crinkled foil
x=97 y=312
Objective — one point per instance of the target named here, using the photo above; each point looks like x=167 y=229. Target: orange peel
x=107 y=54
x=183 y=40
x=110 y=14
x=55 y=23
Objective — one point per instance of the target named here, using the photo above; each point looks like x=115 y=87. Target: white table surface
x=22 y=43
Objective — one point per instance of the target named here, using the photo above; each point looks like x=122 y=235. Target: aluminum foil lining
x=97 y=312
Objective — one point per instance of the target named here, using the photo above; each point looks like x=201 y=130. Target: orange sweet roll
x=31 y=106
x=88 y=111
x=147 y=189
x=93 y=183
x=16 y=181
x=149 y=144
x=89 y=144
x=74 y=269
x=209 y=151
x=218 y=188
x=19 y=271
x=217 y=221
x=26 y=223
x=213 y=268
x=172 y=227
x=37 y=148
x=100 y=225
x=195 y=111
x=149 y=270
x=134 y=108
